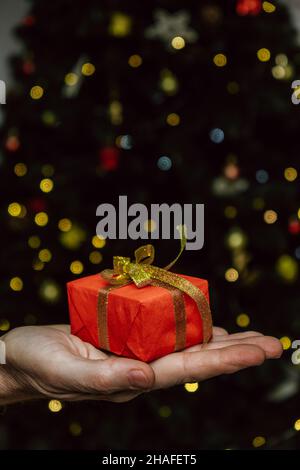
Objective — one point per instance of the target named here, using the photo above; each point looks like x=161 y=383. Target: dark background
x=231 y=133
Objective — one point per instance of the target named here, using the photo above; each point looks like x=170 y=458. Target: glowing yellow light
x=98 y=242
x=268 y=7
x=287 y=268
x=71 y=79
x=290 y=174
x=4 y=325
x=88 y=69
x=233 y=88
x=258 y=203
x=45 y=255
x=264 y=55
x=231 y=275
x=73 y=238
x=38 y=265
x=258 y=441
x=76 y=267
x=165 y=411
x=46 y=185
x=41 y=219
x=297 y=425
x=270 y=217
x=278 y=72
x=23 y=212
x=289 y=71
x=220 y=60
x=75 y=429
x=120 y=24
x=243 y=320
x=230 y=212
x=150 y=226
x=236 y=239
x=135 y=61
x=115 y=111
x=191 y=387
x=173 y=119
x=34 y=241
x=20 y=169
x=50 y=291
x=48 y=170
x=36 y=92
x=169 y=83
x=286 y=342
x=14 y=209
x=49 y=118
x=55 y=406
x=65 y=225
x=16 y=284
x=95 y=257
x=178 y=42
x=282 y=59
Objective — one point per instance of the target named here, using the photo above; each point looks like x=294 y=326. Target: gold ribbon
x=143 y=273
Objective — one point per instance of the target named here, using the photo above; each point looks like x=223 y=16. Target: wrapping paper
x=141 y=323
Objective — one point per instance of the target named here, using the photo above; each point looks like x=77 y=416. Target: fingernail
x=137 y=378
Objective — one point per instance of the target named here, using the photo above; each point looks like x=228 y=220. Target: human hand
x=49 y=362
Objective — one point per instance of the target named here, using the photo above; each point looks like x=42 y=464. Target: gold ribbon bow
x=143 y=273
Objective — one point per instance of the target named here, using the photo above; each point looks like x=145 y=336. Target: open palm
x=47 y=361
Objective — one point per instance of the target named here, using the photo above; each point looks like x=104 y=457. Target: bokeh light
x=231 y=275
x=20 y=169
x=55 y=406
x=264 y=55
x=16 y=284
x=36 y=92
x=178 y=42
x=243 y=320
x=164 y=163
x=88 y=69
x=286 y=342
x=41 y=219
x=173 y=119
x=98 y=241
x=76 y=267
x=220 y=60
x=46 y=185
x=135 y=61
x=191 y=387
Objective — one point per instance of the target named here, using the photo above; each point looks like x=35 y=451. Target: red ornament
x=28 y=67
x=37 y=204
x=12 y=143
x=248 y=7
x=294 y=227
x=109 y=158
x=28 y=20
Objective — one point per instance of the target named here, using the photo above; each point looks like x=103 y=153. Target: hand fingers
x=104 y=376
x=186 y=367
x=271 y=346
x=65 y=328
x=240 y=335
x=217 y=331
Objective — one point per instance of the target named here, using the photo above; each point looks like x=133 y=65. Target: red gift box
x=141 y=323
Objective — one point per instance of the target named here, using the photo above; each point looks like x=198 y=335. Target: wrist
x=12 y=389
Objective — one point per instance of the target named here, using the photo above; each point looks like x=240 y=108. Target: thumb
x=108 y=375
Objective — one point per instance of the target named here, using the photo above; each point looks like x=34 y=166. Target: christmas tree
x=162 y=101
